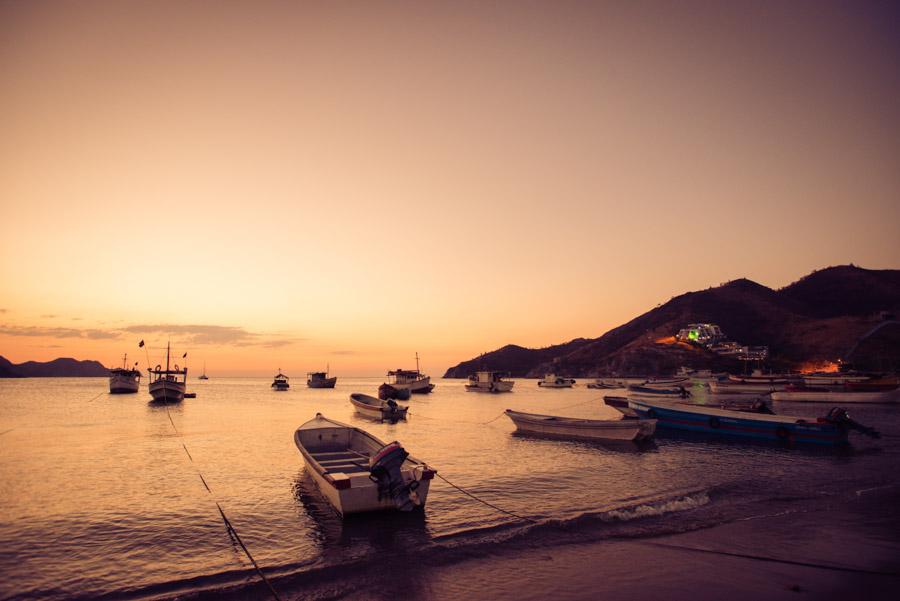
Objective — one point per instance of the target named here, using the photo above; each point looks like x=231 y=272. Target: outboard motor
x=385 y=471
x=840 y=417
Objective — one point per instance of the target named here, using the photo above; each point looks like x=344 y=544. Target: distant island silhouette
x=58 y=368
x=844 y=312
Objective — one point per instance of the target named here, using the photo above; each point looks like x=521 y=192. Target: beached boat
x=167 y=385
x=124 y=380
x=811 y=395
x=586 y=429
x=758 y=377
x=607 y=384
x=414 y=381
x=377 y=408
x=281 y=381
x=386 y=391
x=731 y=387
x=356 y=472
x=658 y=391
x=554 y=381
x=488 y=381
x=203 y=376
x=833 y=379
x=829 y=430
x=320 y=379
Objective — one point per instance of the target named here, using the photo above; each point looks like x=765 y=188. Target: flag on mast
x=141 y=343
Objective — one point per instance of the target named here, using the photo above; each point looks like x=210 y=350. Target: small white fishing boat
x=844 y=397
x=165 y=385
x=123 y=380
x=488 y=381
x=554 y=381
x=607 y=384
x=586 y=429
x=358 y=473
x=377 y=408
x=732 y=387
x=320 y=379
x=280 y=382
x=834 y=379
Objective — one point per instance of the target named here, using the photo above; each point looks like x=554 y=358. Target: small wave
x=656 y=509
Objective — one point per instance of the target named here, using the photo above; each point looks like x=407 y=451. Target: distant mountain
x=58 y=368
x=513 y=359
x=7 y=369
x=822 y=317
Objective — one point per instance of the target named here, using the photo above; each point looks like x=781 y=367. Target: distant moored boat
x=165 y=386
x=414 y=381
x=123 y=380
x=281 y=381
x=320 y=379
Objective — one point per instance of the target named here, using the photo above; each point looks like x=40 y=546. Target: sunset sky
x=290 y=184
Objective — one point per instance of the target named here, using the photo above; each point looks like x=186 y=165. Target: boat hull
x=583 y=429
x=377 y=408
x=119 y=384
x=323 y=383
x=167 y=391
x=850 y=398
x=493 y=387
x=720 y=422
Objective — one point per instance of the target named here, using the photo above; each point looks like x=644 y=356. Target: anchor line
x=491 y=505
x=228 y=526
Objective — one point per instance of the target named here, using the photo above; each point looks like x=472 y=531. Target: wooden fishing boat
x=358 y=473
x=320 y=379
x=829 y=430
x=607 y=384
x=281 y=381
x=731 y=387
x=554 y=381
x=413 y=380
x=167 y=385
x=811 y=395
x=386 y=391
x=585 y=429
x=123 y=380
x=488 y=381
x=377 y=408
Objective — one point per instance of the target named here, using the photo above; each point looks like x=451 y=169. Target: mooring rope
x=776 y=560
x=97 y=397
x=491 y=505
x=231 y=530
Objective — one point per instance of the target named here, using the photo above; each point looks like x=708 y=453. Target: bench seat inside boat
x=344 y=461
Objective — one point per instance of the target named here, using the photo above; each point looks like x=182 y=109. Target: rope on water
x=776 y=560
x=96 y=397
x=231 y=530
x=502 y=413
x=6 y=431
x=491 y=505
x=599 y=398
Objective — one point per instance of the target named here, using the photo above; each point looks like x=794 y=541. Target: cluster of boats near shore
x=356 y=472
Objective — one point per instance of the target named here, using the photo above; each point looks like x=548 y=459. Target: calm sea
x=99 y=497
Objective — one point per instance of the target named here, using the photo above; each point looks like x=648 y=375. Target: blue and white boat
x=829 y=430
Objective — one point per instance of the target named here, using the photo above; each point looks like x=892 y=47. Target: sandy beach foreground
x=849 y=550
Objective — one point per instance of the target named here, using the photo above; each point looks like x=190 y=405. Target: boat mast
x=125 y=361
x=417 y=363
x=168 y=344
